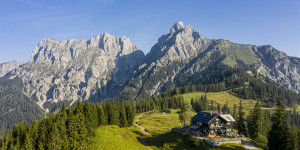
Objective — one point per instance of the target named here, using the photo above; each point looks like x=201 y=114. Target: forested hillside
x=15 y=106
x=74 y=128
x=245 y=83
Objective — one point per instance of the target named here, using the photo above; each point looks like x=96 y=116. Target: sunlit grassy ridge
x=115 y=138
x=159 y=125
x=159 y=122
x=222 y=98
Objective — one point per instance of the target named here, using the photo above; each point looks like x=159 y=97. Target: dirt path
x=248 y=145
x=143 y=131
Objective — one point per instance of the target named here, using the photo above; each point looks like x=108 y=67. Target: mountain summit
x=107 y=66
x=77 y=69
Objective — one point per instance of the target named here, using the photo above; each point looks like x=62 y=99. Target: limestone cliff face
x=107 y=66
x=278 y=66
x=8 y=66
x=166 y=59
x=183 y=55
x=79 y=69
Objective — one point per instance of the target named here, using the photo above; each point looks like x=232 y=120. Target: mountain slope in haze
x=15 y=106
x=8 y=66
x=107 y=66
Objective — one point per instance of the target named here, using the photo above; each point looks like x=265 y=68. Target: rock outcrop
x=79 y=69
x=8 y=66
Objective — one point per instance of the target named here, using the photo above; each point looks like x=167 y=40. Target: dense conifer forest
x=73 y=127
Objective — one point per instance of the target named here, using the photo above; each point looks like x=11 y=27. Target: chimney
x=210 y=112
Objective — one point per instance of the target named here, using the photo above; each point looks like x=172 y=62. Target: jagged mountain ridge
x=78 y=69
x=9 y=66
x=183 y=55
x=107 y=66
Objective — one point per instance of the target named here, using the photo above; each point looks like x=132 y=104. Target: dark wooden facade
x=215 y=124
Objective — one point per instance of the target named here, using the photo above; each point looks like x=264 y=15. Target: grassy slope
x=161 y=137
x=222 y=98
x=159 y=126
x=156 y=123
x=115 y=138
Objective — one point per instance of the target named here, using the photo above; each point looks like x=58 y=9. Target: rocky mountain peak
x=79 y=69
x=181 y=43
x=189 y=28
x=50 y=49
x=177 y=27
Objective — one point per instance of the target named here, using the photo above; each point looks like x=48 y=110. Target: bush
x=261 y=142
x=198 y=143
x=261 y=139
x=168 y=111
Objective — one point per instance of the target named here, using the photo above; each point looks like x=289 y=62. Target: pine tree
x=294 y=138
x=279 y=135
x=42 y=132
x=72 y=131
x=241 y=124
x=61 y=125
x=122 y=116
x=64 y=111
x=7 y=141
x=101 y=115
x=89 y=120
x=54 y=141
x=193 y=103
x=34 y=133
x=185 y=113
x=112 y=113
x=28 y=142
x=82 y=129
x=130 y=114
x=255 y=121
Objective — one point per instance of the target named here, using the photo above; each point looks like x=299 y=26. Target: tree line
x=269 y=131
x=245 y=83
x=74 y=128
x=71 y=128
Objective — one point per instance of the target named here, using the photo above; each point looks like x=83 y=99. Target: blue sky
x=23 y=23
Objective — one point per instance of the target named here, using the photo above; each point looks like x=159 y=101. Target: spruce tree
x=130 y=114
x=72 y=131
x=89 y=120
x=42 y=132
x=185 y=113
x=255 y=121
x=28 y=142
x=54 y=141
x=112 y=113
x=294 y=138
x=122 y=116
x=101 y=115
x=241 y=123
x=279 y=135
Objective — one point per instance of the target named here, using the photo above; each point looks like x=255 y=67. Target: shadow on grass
x=138 y=133
x=169 y=140
x=230 y=147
